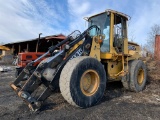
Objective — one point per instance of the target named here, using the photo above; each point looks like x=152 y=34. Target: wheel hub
x=140 y=76
x=86 y=81
x=89 y=82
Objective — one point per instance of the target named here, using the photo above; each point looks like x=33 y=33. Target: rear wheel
x=136 y=79
x=83 y=81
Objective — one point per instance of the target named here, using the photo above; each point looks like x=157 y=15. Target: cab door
x=120 y=41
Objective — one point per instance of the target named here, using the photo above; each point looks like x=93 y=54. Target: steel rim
x=89 y=82
x=140 y=76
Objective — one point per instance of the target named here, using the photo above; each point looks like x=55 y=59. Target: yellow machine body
x=3 y=48
x=115 y=61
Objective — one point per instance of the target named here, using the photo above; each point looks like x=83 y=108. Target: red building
x=35 y=45
x=157 y=48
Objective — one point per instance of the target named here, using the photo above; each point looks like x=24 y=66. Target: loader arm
x=48 y=71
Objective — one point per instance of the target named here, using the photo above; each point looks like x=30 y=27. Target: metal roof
x=51 y=37
x=112 y=11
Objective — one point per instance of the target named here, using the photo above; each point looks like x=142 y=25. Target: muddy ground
x=117 y=103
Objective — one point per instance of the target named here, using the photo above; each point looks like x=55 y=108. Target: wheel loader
x=1 y=50
x=87 y=62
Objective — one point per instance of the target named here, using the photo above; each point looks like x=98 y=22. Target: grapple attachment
x=36 y=78
x=28 y=85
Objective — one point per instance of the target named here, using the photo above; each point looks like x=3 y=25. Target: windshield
x=103 y=22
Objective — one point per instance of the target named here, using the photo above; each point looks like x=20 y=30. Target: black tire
x=70 y=81
x=136 y=68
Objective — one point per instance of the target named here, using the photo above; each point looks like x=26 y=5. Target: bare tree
x=132 y=36
x=155 y=30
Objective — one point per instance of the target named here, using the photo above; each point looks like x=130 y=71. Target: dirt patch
x=117 y=103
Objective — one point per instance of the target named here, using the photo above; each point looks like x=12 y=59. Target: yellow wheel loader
x=1 y=50
x=85 y=64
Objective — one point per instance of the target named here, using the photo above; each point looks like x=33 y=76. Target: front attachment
x=44 y=79
x=37 y=87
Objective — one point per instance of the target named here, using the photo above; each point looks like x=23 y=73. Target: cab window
x=103 y=22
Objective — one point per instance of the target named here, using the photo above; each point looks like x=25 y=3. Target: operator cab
x=113 y=26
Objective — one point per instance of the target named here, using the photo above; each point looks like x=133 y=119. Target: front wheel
x=83 y=81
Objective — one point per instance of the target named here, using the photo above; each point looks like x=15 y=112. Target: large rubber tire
x=133 y=81
x=70 y=81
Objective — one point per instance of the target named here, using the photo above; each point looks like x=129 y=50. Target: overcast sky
x=25 y=19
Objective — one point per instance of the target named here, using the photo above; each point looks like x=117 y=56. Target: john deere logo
x=78 y=53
